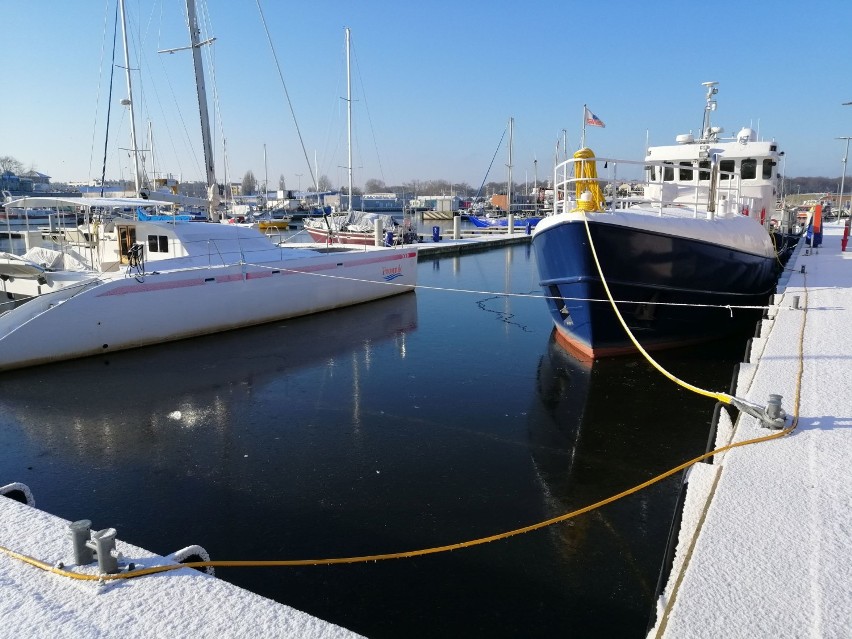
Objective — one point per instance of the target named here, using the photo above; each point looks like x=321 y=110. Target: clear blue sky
x=435 y=83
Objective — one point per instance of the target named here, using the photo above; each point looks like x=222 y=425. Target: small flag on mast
x=593 y=120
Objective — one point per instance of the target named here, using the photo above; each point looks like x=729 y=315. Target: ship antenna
x=708 y=107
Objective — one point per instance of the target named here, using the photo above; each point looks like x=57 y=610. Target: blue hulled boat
x=502 y=222
x=683 y=263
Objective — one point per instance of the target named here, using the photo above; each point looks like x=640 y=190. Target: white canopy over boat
x=42 y=202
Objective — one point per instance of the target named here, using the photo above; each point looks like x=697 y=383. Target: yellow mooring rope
x=741 y=404
x=425 y=551
x=722 y=397
x=56 y=569
x=588 y=191
x=141 y=572
x=664 y=616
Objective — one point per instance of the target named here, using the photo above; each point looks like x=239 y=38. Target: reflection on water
x=418 y=421
x=141 y=406
x=599 y=429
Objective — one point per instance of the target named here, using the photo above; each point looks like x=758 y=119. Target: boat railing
x=719 y=196
x=44 y=302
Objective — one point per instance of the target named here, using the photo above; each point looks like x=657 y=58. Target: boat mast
x=535 y=182
x=225 y=163
x=316 y=178
x=151 y=146
x=137 y=171
x=706 y=133
x=708 y=136
x=349 y=115
x=195 y=44
x=509 y=182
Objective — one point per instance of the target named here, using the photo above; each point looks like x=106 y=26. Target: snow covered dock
x=179 y=603
x=765 y=548
x=472 y=242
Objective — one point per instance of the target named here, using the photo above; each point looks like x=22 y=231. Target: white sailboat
x=142 y=278
x=358 y=227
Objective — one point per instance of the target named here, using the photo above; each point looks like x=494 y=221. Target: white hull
x=117 y=312
x=739 y=233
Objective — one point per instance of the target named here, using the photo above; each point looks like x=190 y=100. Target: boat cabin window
x=158 y=244
x=652 y=173
x=748 y=169
x=686 y=174
x=726 y=166
x=668 y=172
x=767 y=169
x=704 y=174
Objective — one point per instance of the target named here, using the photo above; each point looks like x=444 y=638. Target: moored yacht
x=152 y=278
x=364 y=228
x=685 y=264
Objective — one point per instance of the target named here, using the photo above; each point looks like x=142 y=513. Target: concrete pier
x=179 y=603
x=765 y=549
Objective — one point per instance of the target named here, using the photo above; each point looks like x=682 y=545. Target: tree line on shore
x=250 y=185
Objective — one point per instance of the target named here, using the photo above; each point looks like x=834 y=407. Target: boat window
x=704 y=175
x=158 y=244
x=668 y=172
x=686 y=174
x=726 y=166
x=748 y=169
x=652 y=173
x=767 y=169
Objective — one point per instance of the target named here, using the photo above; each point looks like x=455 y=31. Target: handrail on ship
x=565 y=180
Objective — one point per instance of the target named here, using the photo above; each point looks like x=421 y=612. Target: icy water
x=425 y=420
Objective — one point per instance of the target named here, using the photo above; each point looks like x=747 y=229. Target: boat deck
x=764 y=549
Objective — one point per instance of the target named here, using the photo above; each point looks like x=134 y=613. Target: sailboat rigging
x=201 y=92
x=358 y=227
x=146 y=278
x=128 y=101
x=478 y=205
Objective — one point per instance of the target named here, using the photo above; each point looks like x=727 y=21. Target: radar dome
x=746 y=135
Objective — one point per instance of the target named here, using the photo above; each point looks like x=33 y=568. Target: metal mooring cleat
x=88 y=545
x=80 y=533
x=773 y=416
x=103 y=543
